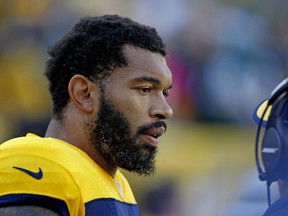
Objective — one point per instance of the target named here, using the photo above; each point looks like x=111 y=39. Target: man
x=109 y=81
x=273 y=114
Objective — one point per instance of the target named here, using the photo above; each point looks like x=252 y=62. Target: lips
x=155 y=132
x=152 y=135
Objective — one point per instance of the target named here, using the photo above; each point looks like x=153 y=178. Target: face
x=132 y=108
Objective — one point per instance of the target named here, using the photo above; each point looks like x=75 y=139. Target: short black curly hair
x=94 y=48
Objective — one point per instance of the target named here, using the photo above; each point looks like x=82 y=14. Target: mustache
x=152 y=125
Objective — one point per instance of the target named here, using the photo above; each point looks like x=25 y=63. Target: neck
x=76 y=137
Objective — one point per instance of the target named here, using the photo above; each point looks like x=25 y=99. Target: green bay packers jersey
x=54 y=174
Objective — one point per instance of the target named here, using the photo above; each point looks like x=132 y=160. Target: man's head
x=109 y=75
x=94 y=48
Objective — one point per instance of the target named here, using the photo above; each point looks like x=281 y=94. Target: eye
x=166 y=93
x=144 y=90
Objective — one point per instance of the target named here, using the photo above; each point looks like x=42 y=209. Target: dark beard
x=112 y=138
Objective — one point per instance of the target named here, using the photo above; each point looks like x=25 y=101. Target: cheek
x=134 y=107
x=135 y=110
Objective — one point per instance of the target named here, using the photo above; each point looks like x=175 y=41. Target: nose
x=161 y=109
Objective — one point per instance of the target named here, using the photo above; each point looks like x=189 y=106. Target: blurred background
x=225 y=55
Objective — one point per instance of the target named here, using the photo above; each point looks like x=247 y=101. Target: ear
x=80 y=91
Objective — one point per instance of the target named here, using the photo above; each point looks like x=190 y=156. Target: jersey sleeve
x=35 y=180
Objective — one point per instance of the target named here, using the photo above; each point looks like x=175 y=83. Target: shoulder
x=37 y=170
x=35 y=147
x=278 y=208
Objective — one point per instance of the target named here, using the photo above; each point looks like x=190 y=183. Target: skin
x=138 y=91
x=145 y=99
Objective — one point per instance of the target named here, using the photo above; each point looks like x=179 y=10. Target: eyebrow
x=150 y=79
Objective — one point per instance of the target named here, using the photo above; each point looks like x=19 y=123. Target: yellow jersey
x=54 y=174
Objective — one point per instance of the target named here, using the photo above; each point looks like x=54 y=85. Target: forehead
x=144 y=63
